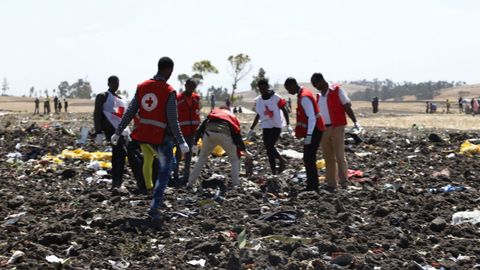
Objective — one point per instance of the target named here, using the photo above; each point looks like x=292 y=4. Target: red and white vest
x=152 y=97
x=302 y=119
x=113 y=109
x=226 y=115
x=336 y=110
x=188 y=114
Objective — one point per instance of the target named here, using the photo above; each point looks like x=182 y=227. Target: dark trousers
x=310 y=160
x=186 y=167
x=270 y=138
x=119 y=152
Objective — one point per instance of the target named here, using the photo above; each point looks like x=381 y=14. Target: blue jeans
x=165 y=165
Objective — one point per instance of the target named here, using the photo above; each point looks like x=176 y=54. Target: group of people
x=469 y=106
x=164 y=119
x=57 y=105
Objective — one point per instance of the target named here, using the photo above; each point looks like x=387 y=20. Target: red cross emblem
x=149 y=102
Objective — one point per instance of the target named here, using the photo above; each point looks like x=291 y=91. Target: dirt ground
x=393 y=215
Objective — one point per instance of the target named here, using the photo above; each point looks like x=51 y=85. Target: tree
x=202 y=68
x=63 y=89
x=80 y=89
x=256 y=78
x=32 y=91
x=5 y=87
x=240 y=68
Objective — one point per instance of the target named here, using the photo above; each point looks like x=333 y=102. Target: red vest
x=335 y=106
x=302 y=120
x=226 y=115
x=188 y=114
x=152 y=97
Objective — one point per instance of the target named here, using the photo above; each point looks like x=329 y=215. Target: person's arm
x=347 y=105
x=310 y=113
x=132 y=110
x=285 y=114
x=98 y=112
x=255 y=122
x=172 y=118
x=200 y=131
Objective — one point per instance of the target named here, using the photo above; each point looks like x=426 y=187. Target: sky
x=45 y=42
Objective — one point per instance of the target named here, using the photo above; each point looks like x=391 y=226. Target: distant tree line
x=79 y=89
x=388 y=89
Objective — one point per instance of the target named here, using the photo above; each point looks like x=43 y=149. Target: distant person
x=65 y=103
x=309 y=126
x=427 y=107
x=270 y=107
x=289 y=104
x=188 y=106
x=59 y=106
x=37 y=106
x=460 y=104
x=107 y=114
x=447 y=105
x=155 y=103
x=375 y=104
x=55 y=104
x=235 y=110
x=475 y=106
x=212 y=101
x=334 y=106
x=220 y=128
x=228 y=103
x=46 y=106
x=433 y=107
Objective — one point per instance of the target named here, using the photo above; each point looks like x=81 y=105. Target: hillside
x=26 y=104
x=465 y=91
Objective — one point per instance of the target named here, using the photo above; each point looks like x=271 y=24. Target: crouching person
x=220 y=128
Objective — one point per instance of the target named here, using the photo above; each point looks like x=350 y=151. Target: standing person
x=460 y=105
x=155 y=102
x=212 y=101
x=55 y=104
x=269 y=107
x=447 y=104
x=220 y=128
x=334 y=106
x=475 y=106
x=375 y=104
x=309 y=126
x=427 y=108
x=188 y=106
x=65 y=103
x=289 y=104
x=228 y=103
x=59 y=105
x=108 y=111
x=46 y=106
x=37 y=106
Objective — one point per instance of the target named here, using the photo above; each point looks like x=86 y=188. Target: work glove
x=290 y=130
x=99 y=139
x=307 y=140
x=184 y=148
x=249 y=134
x=114 y=139
x=357 y=125
x=195 y=149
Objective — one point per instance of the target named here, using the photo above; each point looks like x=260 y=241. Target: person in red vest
x=310 y=127
x=188 y=106
x=334 y=104
x=155 y=102
x=107 y=114
x=220 y=128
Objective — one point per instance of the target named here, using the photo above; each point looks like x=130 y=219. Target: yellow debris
x=52 y=158
x=85 y=155
x=321 y=164
x=468 y=149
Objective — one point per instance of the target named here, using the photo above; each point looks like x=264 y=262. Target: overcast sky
x=45 y=42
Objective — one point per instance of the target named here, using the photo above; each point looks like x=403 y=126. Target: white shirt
x=323 y=104
x=310 y=113
x=269 y=112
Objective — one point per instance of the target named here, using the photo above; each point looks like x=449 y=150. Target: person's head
x=190 y=86
x=319 y=82
x=263 y=86
x=291 y=85
x=113 y=83
x=165 y=67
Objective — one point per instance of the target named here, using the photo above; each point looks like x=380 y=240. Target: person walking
x=220 y=128
x=55 y=104
x=212 y=101
x=270 y=107
x=188 y=107
x=155 y=103
x=334 y=106
x=375 y=104
x=65 y=103
x=309 y=126
x=107 y=114
x=447 y=104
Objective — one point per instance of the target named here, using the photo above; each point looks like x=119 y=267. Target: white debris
x=200 y=262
